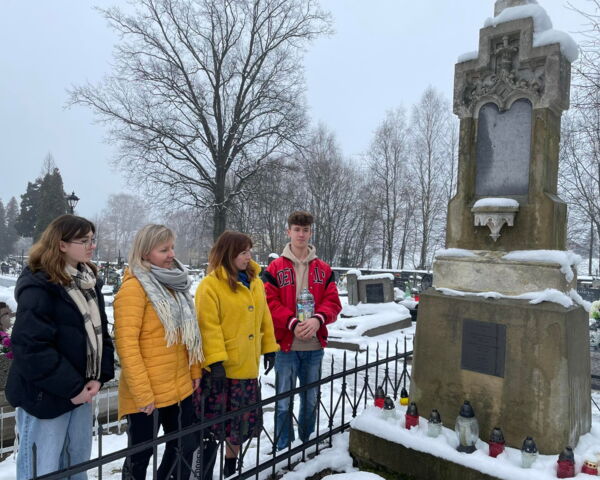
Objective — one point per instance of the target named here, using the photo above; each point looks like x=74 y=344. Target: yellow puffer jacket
x=150 y=372
x=236 y=326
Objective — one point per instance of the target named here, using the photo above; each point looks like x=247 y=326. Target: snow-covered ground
x=336 y=458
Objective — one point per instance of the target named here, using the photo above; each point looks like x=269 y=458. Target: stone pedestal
x=536 y=358
x=382 y=455
x=487 y=271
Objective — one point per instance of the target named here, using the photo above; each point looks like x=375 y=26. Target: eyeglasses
x=86 y=243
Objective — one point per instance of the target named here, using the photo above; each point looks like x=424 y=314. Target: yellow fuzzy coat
x=150 y=372
x=236 y=326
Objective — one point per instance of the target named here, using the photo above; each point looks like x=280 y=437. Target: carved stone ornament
x=505 y=79
x=494 y=218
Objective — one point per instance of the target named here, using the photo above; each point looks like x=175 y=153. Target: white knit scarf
x=82 y=292
x=174 y=307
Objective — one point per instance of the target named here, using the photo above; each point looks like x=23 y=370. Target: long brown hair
x=228 y=246
x=45 y=254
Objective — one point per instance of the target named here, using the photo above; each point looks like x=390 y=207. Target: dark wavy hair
x=228 y=246
x=45 y=254
x=300 y=217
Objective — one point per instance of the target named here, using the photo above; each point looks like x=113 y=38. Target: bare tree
x=580 y=169
x=263 y=210
x=329 y=183
x=430 y=165
x=579 y=180
x=122 y=217
x=388 y=164
x=586 y=71
x=205 y=92
x=193 y=235
x=357 y=240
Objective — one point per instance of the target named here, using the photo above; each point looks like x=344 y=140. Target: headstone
x=376 y=288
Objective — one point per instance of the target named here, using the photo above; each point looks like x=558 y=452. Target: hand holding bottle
x=307 y=328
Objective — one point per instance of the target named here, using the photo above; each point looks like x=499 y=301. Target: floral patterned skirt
x=236 y=394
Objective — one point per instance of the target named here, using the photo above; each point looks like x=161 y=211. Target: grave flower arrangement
x=595 y=310
x=6 y=345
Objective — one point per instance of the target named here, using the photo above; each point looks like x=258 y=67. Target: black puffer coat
x=49 y=345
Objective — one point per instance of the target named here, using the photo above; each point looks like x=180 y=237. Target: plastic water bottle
x=305 y=305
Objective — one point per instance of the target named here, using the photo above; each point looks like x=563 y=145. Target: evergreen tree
x=3 y=233
x=12 y=213
x=52 y=201
x=30 y=201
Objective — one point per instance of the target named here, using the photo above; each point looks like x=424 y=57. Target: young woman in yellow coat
x=160 y=349
x=237 y=329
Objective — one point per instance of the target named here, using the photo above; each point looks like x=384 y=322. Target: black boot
x=230 y=467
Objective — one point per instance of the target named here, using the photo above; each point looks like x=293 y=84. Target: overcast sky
x=384 y=53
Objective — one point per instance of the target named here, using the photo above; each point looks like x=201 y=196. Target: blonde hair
x=45 y=254
x=146 y=239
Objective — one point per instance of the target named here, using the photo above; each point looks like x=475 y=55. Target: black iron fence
x=347 y=385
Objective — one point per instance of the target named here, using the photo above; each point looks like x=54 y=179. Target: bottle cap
x=529 y=446
x=435 y=417
x=467 y=410
x=412 y=410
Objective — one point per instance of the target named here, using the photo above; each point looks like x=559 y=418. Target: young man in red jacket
x=301 y=342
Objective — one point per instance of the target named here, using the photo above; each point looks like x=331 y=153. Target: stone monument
x=524 y=367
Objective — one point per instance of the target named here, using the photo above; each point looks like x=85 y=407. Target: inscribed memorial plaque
x=503 y=150
x=375 y=293
x=483 y=347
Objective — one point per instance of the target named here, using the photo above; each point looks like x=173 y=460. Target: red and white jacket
x=280 y=285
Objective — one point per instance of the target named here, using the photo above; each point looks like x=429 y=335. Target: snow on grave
x=360 y=324
x=389 y=434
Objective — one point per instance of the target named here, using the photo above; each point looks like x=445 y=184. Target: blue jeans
x=60 y=442
x=306 y=367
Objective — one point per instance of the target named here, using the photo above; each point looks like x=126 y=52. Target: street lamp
x=72 y=202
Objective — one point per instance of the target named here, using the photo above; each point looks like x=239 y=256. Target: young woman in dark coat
x=62 y=350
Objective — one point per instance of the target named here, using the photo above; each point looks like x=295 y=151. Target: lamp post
x=72 y=202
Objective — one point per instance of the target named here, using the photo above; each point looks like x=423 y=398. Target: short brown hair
x=300 y=217
x=228 y=246
x=45 y=254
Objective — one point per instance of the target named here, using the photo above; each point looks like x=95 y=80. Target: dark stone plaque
x=375 y=293
x=503 y=149
x=483 y=347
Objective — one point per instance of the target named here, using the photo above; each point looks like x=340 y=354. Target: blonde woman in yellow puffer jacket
x=160 y=349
